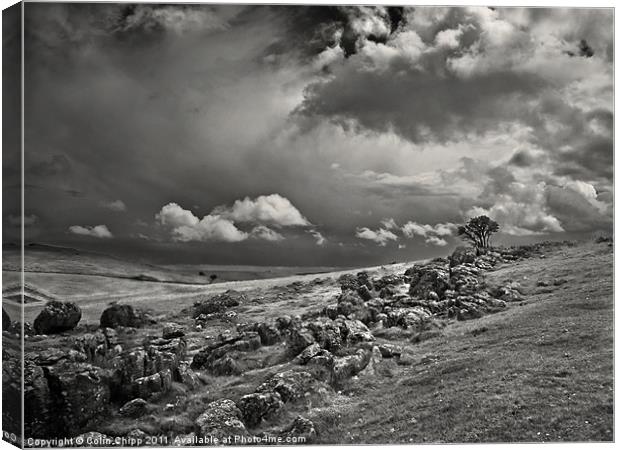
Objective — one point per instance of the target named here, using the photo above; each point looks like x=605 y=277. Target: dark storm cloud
x=439 y=109
x=351 y=114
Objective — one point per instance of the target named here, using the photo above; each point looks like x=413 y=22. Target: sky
x=311 y=135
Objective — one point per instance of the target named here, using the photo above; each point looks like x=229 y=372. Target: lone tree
x=478 y=231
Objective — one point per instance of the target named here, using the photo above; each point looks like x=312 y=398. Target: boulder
x=79 y=392
x=308 y=353
x=387 y=281
x=326 y=333
x=219 y=303
x=159 y=382
x=220 y=420
x=347 y=366
x=172 y=330
x=301 y=430
x=434 y=276
x=220 y=357
x=118 y=315
x=348 y=282
x=390 y=350
x=37 y=397
x=133 y=408
x=354 y=331
x=269 y=333
x=290 y=385
x=461 y=255
x=254 y=407
x=298 y=339
x=187 y=376
x=408 y=318
x=364 y=293
x=374 y=362
x=352 y=306
x=57 y=317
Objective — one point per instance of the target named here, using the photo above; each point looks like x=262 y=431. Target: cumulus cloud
x=266 y=233
x=116 y=205
x=389 y=224
x=380 y=236
x=270 y=209
x=185 y=226
x=221 y=223
x=98 y=231
x=432 y=234
x=521 y=210
x=319 y=238
x=176 y=19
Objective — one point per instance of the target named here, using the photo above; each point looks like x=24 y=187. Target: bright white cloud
x=269 y=209
x=389 y=224
x=380 y=236
x=220 y=224
x=98 y=231
x=186 y=227
x=432 y=234
x=521 y=210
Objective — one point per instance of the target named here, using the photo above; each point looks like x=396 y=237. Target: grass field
x=540 y=370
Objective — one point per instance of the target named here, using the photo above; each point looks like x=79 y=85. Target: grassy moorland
x=540 y=371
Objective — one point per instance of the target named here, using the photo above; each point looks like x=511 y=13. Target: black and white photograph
x=261 y=224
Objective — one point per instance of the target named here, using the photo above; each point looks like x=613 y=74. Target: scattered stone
x=57 y=317
x=133 y=408
x=172 y=330
x=187 y=376
x=219 y=303
x=462 y=255
x=290 y=385
x=354 y=331
x=308 y=353
x=347 y=366
x=220 y=420
x=119 y=315
x=433 y=276
x=300 y=428
x=390 y=350
x=299 y=338
x=254 y=407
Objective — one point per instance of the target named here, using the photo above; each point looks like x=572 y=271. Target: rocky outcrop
x=431 y=277
x=118 y=315
x=219 y=303
x=301 y=429
x=220 y=420
x=172 y=330
x=289 y=385
x=462 y=255
x=78 y=392
x=57 y=317
x=221 y=357
x=133 y=408
x=254 y=407
x=269 y=332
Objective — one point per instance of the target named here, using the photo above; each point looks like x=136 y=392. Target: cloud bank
x=97 y=231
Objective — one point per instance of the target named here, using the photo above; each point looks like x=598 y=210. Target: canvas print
x=304 y=225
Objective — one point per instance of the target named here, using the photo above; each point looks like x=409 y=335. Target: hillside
x=521 y=351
